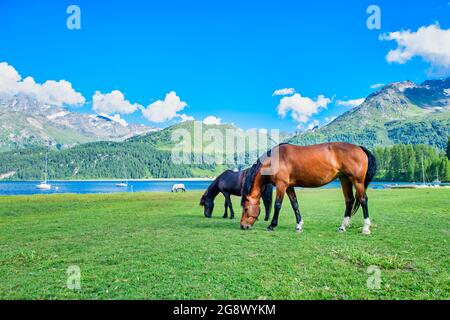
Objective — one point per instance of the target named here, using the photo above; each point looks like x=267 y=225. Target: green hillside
x=164 y=139
x=101 y=160
x=203 y=137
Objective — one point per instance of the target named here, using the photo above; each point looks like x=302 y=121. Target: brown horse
x=288 y=166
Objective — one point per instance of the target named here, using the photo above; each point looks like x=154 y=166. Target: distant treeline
x=411 y=163
x=137 y=160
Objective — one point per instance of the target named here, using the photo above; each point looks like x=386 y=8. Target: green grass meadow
x=159 y=246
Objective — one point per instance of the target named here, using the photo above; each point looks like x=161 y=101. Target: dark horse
x=230 y=183
x=288 y=166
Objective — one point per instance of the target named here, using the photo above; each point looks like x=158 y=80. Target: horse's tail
x=371 y=167
x=371 y=171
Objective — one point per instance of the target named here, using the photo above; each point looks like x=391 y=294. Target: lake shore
x=113 y=180
x=12 y=187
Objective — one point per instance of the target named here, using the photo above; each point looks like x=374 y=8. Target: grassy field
x=159 y=246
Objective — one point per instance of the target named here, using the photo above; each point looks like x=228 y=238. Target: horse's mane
x=249 y=179
x=203 y=200
x=251 y=174
x=208 y=191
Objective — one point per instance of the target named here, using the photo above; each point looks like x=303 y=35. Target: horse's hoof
x=266 y=219
x=299 y=230
x=225 y=217
x=341 y=229
x=231 y=217
x=270 y=228
x=366 y=232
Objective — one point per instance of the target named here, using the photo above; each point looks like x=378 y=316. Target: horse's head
x=250 y=212
x=249 y=203
x=208 y=205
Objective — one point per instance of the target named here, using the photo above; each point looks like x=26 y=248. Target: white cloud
x=9 y=78
x=115 y=118
x=185 y=117
x=431 y=43
x=212 y=120
x=113 y=102
x=283 y=92
x=301 y=108
x=376 y=85
x=51 y=92
x=164 y=110
x=350 y=103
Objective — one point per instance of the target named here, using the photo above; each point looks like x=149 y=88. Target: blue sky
x=222 y=58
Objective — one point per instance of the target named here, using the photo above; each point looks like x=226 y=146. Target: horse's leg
x=225 y=215
x=294 y=203
x=347 y=189
x=267 y=208
x=267 y=200
x=362 y=197
x=281 y=190
x=230 y=205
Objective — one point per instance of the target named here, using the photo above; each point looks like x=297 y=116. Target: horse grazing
x=288 y=166
x=178 y=186
x=230 y=183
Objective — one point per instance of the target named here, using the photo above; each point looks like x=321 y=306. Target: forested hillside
x=101 y=160
x=411 y=163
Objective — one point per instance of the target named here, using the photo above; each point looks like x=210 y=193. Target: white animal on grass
x=178 y=187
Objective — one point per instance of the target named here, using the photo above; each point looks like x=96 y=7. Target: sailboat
x=44 y=185
x=424 y=181
x=437 y=181
x=124 y=183
x=413 y=185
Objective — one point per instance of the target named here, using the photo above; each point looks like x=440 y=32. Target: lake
x=86 y=187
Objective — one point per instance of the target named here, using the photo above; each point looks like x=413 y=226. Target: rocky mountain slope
x=402 y=112
x=26 y=122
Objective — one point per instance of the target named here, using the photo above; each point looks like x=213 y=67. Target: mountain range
x=27 y=122
x=398 y=113
x=401 y=112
